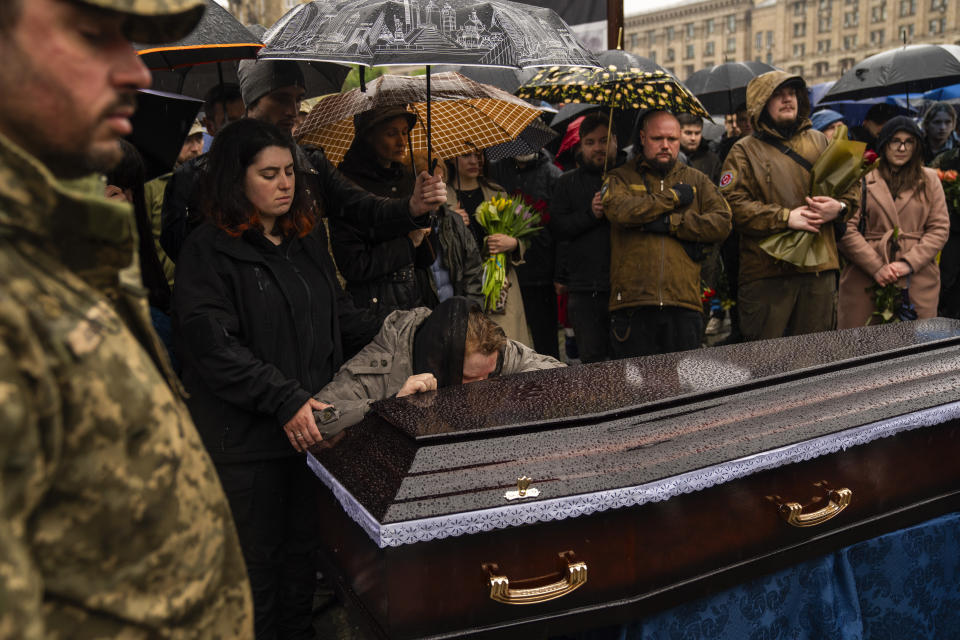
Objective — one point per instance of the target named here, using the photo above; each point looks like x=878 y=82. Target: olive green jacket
x=112 y=520
x=654 y=269
x=381 y=368
x=762 y=185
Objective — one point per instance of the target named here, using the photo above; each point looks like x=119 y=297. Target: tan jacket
x=381 y=368
x=924 y=226
x=762 y=184
x=513 y=320
x=647 y=268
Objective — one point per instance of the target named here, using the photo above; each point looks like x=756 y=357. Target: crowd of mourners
x=289 y=294
x=292 y=293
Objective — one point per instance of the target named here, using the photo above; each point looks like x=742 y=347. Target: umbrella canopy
x=217 y=37
x=633 y=89
x=723 y=87
x=467 y=115
x=624 y=121
x=531 y=140
x=495 y=33
x=624 y=61
x=160 y=125
x=909 y=69
x=503 y=78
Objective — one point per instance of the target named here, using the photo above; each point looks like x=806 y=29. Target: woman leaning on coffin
x=261 y=323
x=895 y=236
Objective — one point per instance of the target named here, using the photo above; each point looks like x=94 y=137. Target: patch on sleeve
x=727 y=179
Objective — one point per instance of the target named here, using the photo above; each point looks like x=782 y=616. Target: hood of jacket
x=762 y=87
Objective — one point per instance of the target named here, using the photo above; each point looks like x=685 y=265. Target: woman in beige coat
x=900 y=194
x=466 y=190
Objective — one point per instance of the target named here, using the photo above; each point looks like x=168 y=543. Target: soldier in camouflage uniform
x=112 y=522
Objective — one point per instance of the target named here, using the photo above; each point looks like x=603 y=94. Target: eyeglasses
x=896 y=144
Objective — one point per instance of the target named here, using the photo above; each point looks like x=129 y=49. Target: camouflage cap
x=156 y=21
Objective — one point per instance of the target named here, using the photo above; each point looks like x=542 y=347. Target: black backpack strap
x=784 y=149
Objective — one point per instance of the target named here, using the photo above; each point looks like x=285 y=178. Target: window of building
x=825 y=25
x=769 y=57
x=822 y=68
x=799 y=50
x=769 y=39
x=670 y=34
x=670 y=55
x=799 y=29
x=823 y=46
x=908 y=8
x=760 y=40
x=653 y=57
x=849 y=43
x=851 y=18
x=878 y=13
x=688 y=52
x=846 y=64
x=937 y=25
x=877 y=37
x=731 y=44
x=938 y=5
x=825 y=5
x=731 y=23
x=670 y=71
x=796 y=70
x=799 y=8
x=687 y=70
x=691 y=33
x=708 y=26
x=708 y=48
x=634 y=41
x=851 y=2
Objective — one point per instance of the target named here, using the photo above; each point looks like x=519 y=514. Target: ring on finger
x=300 y=435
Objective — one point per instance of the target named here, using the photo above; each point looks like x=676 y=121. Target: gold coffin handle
x=574 y=577
x=792 y=512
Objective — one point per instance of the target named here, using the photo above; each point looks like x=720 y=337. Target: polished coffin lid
x=628 y=432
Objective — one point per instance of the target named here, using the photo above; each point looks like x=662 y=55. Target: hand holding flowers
x=507 y=221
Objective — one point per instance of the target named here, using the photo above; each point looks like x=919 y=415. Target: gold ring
x=300 y=435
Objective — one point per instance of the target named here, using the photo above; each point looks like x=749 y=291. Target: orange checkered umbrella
x=466 y=115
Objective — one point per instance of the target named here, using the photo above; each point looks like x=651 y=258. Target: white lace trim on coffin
x=458 y=524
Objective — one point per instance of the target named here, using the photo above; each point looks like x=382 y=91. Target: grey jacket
x=381 y=368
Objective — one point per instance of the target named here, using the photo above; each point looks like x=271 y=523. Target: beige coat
x=924 y=226
x=381 y=368
x=513 y=321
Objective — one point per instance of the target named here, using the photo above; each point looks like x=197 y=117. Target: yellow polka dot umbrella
x=612 y=87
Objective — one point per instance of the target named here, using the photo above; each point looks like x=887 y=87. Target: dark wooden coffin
x=652 y=480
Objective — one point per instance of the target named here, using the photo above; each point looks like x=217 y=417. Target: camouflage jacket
x=112 y=520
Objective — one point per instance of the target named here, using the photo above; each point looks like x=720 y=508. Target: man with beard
x=578 y=222
x=113 y=522
x=662 y=215
x=766 y=180
x=272 y=91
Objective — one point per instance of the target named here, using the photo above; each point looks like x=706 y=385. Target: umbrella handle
x=431 y=165
x=606 y=155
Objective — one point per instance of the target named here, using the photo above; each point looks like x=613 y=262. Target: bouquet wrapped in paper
x=510 y=216
x=839 y=167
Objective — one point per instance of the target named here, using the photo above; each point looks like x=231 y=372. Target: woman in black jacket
x=261 y=324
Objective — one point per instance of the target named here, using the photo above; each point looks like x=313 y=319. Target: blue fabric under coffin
x=904 y=584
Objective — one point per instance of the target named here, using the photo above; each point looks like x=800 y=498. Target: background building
x=819 y=39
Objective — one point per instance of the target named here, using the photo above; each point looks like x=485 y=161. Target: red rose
x=870 y=156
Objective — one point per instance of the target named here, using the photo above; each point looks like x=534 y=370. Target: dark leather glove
x=684 y=194
x=660 y=225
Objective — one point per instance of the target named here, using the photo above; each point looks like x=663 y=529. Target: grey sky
x=631 y=7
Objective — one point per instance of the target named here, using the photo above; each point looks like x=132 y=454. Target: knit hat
x=900 y=123
x=260 y=77
x=824 y=118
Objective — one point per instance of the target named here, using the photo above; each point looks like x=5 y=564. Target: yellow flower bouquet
x=510 y=216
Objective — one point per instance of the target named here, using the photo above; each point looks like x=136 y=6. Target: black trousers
x=644 y=331
x=540 y=308
x=274 y=507
x=589 y=316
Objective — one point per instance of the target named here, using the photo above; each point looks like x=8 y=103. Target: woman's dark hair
x=129 y=174
x=453 y=176
x=910 y=174
x=234 y=149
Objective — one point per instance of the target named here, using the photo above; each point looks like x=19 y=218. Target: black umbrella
x=160 y=125
x=723 y=87
x=624 y=120
x=508 y=80
x=909 y=69
x=217 y=37
x=531 y=140
x=495 y=33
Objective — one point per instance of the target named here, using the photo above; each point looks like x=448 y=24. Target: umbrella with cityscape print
x=495 y=33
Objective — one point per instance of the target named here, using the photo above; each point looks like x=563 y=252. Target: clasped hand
x=817 y=211
x=891 y=272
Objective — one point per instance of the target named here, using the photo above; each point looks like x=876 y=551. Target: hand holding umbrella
x=428 y=193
